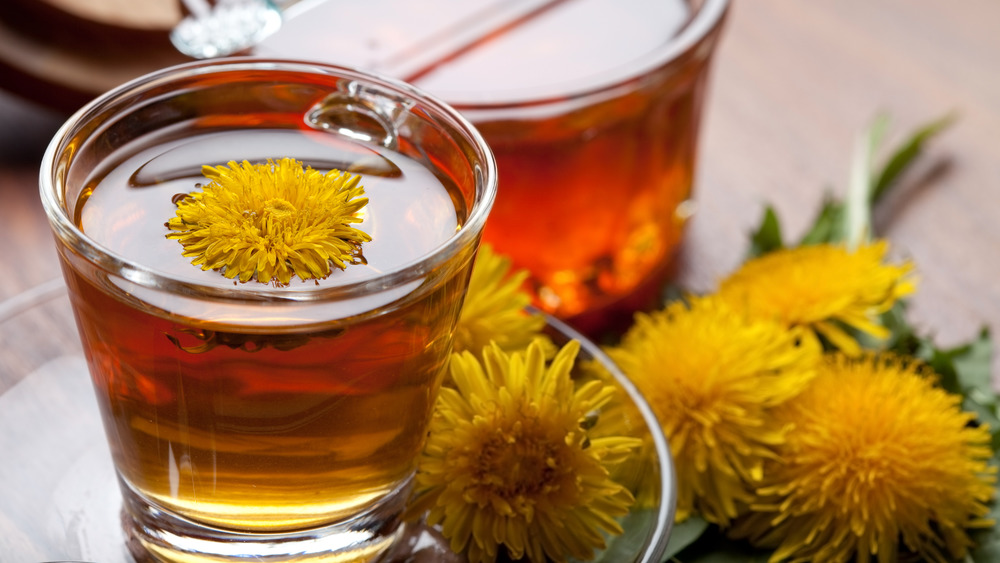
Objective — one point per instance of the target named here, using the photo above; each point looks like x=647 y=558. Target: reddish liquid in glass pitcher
x=591 y=107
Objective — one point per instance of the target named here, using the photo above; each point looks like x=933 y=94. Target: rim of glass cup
x=707 y=18
x=657 y=543
x=54 y=202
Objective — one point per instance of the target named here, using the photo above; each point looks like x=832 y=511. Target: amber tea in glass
x=592 y=108
x=265 y=421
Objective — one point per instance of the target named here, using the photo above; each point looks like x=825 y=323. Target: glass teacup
x=266 y=421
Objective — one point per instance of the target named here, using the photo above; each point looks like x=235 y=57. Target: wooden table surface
x=792 y=86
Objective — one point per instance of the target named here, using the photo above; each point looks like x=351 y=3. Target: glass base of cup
x=154 y=535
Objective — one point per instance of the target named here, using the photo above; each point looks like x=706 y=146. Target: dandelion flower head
x=271 y=221
x=879 y=455
x=712 y=375
x=494 y=309
x=820 y=286
x=509 y=462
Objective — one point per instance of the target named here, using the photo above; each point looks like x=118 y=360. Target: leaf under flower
x=850 y=220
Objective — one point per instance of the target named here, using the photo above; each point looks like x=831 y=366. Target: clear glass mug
x=265 y=421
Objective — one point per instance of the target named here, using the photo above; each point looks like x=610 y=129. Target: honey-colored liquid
x=266 y=424
x=593 y=189
x=593 y=205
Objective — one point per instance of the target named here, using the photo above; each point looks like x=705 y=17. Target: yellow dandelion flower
x=820 y=286
x=494 y=309
x=509 y=462
x=712 y=376
x=271 y=221
x=879 y=456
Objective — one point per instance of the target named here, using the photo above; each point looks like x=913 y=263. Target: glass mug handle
x=362 y=112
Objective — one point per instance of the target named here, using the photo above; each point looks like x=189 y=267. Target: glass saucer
x=59 y=496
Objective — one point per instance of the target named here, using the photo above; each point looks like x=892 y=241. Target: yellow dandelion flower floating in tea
x=509 y=462
x=494 y=309
x=820 y=286
x=271 y=221
x=712 y=375
x=880 y=462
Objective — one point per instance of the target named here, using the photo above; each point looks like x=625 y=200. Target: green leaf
x=672 y=293
x=942 y=362
x=850 y=221
x=973 y=371
x=826 y=227
x=907 y=154
x=966 y=370
x=987 y=548
x=987 y=541
x=767 y=237
x=973 y=366
x=623 y=548
x=903 y=338
x=683 y=535
x=857 y=219
x=867 y=186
